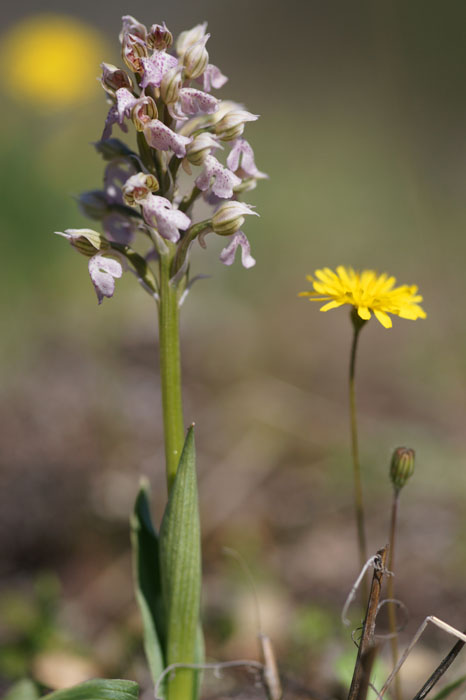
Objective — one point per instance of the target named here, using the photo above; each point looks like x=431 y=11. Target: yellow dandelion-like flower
x=366 y=291
x=51 y=60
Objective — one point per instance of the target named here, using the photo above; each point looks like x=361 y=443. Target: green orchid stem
x=189 y=201
x=170 y=370
x=391 y=593
x=183 y=247
x=147 y=156
x=358 y=323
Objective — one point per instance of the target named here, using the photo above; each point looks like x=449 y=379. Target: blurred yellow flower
x=51 y=60
x=365 y=291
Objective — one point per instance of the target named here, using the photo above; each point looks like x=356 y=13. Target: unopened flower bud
x=93 y=204
x=196 y=59
x=143 y=111
x=138 y=186
x=401 y=467
x=171 y=84
x=132 y=26
x=230 y=126
x=159 y=37
x=200 y=147
x=85 y=240
x=190 y=37
x=229 y=218
x=133 y=49
x=114 y=78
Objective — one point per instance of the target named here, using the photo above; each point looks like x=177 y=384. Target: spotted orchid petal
x=241 y=160
x=191 y=101
x=159 y=213
x=222 y=179
x=125 y=103
x=212 y=77
x=103 y=272
x=160 y=136
x=155 y=68
x=227 y=256
x=194 y=101
x=111 y=119
x=118 y=112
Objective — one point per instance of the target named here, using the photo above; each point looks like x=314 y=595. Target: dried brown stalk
x=366 y=652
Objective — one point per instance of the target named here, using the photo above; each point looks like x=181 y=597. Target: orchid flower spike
x=164 y=92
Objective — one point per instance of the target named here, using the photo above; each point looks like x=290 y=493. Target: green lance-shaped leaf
x=22 y=690
x=199 y=658
x=145 y=545
x=98 y=689
x=180 y=563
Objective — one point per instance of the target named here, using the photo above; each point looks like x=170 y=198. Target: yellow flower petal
x=331 y=305
x=384 y=318
x=368 y=292
x=363 y=312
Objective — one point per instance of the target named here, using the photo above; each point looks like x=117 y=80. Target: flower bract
x=367 y=292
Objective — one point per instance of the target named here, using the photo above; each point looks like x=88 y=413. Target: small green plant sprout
x=149 y=221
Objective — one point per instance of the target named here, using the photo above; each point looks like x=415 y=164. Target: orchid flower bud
x=401 y=467
x=196 y=58
x=132 y=26
x=200 y=148
x=231 y=125
x=85 y=240
x=159 y=37
x=133 y=50
x=143 y=111
x=171 y=84
x=138 y=186
x=229 y=217
x=190 y=37
x=114 y=78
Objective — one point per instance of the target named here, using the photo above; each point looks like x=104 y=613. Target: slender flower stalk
x=170 y=370
x=401 y=469
x=366 y=292
x=358 y=324
x=391 y=591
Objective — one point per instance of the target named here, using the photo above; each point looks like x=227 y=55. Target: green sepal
x=147 y=583
x=98 y=689
x=180 y=564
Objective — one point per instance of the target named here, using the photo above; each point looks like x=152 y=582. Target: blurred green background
x=362 y=110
